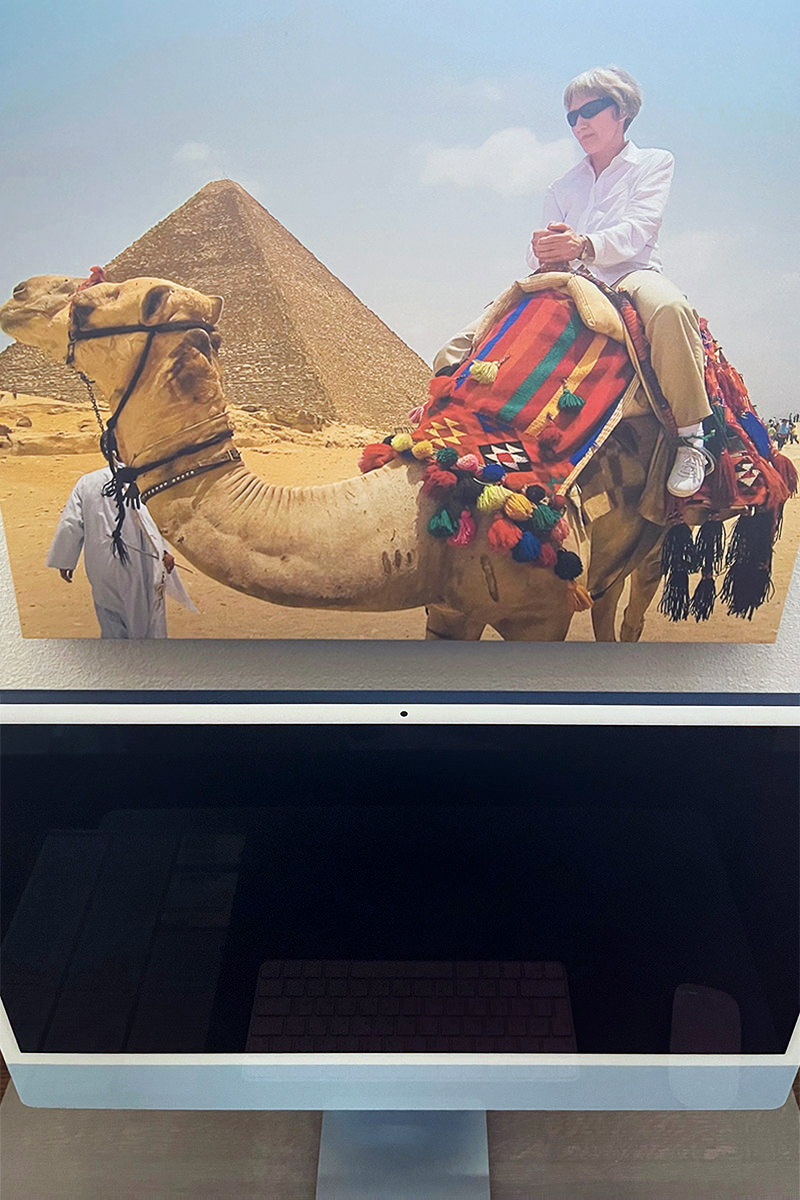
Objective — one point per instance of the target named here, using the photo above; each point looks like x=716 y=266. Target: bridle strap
x=232 y=455
x=85 y=335
x=122 y=485
x=128 y=474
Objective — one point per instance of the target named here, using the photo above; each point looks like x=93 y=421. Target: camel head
x=181 y=367
x=42 y=308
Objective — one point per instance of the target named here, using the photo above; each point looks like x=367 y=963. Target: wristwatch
x=587 y=251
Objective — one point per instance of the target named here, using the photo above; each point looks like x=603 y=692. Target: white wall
x=398 y=665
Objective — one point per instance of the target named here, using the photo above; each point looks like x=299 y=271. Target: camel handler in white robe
x=606 y=213
x=129 y=597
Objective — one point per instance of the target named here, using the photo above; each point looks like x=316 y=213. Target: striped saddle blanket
x=537 y=396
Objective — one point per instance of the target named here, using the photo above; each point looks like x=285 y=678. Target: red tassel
x=503 y=535
x=560 y=531
x=787 y=471
x=547 y=556
x=96 y=275
x=437 y=480
x=376 y=454
x=466 y=530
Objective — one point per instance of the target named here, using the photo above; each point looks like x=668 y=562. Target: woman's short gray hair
x=608 y=81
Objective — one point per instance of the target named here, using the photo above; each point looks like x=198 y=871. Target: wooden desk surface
x=62 y=1154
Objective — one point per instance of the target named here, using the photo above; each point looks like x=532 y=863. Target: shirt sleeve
x=625 y=241
x=68 y=540
x=551 y=211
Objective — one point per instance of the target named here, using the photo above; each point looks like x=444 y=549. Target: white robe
x=129 y=598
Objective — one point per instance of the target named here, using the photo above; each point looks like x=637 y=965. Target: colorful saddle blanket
x=535 y=397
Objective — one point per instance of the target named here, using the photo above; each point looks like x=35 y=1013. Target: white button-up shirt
x=620 y=211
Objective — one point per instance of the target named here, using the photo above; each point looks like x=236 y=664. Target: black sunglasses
x=588 y=110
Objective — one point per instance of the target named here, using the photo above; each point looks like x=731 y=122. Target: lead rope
x=114 y=485
x=122 y=486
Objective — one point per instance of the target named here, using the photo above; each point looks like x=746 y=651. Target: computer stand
x=403 y=1156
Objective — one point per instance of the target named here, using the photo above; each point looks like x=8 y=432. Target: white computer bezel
x=346 y=1081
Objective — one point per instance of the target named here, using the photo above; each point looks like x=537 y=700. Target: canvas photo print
x=407 y=354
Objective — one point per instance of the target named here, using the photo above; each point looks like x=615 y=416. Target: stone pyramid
x=295 y=340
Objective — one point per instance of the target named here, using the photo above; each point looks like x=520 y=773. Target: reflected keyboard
x=392 y=1007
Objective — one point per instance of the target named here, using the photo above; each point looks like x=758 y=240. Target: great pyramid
x=295 y=340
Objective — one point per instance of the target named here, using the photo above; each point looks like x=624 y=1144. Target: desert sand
x=47 y=444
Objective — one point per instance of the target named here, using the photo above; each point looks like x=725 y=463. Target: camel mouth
x=41 y=296
x=15 y=316
x=10 y=315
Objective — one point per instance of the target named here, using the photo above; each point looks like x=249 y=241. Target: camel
x=357 y=545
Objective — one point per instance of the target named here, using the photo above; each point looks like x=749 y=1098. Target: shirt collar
x=630 y=152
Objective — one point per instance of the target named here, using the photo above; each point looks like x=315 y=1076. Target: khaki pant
x=676 y=348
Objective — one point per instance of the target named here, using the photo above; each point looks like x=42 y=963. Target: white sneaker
x=688 y=470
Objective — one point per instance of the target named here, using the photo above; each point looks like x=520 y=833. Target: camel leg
x=618 y=541
x=621 y=543
x=604 y=612
x=644 y=585
x=447 y=625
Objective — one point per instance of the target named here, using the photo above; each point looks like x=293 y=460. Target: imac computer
x=402 y=912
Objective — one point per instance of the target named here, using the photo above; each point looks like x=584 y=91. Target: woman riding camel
x=606 y=213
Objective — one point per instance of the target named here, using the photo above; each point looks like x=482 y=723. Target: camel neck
x=300 y=546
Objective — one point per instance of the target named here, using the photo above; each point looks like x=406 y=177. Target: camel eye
x=19 y=289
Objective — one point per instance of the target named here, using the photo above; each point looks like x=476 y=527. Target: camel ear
x=199 y=340
x=191 y=371
x=153 y=301
x=216 y=308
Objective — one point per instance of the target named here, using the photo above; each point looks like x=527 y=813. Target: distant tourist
x=129 y=597
x=782 y=432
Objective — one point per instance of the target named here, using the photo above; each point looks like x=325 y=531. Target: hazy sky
x=407 y=144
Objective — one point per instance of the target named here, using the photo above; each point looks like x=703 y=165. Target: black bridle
x=122 y=485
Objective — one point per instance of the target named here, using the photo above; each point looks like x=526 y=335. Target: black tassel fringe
x=677 y=560
x=748 y=578
x=709 y=548
x=709 y=553
x=705 y=595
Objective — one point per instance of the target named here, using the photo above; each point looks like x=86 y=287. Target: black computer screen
x=517 y=888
